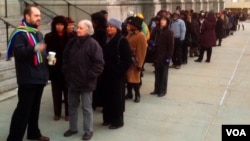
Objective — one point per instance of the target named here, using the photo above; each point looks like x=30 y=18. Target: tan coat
x=138 y=46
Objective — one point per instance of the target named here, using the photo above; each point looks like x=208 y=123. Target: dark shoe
x=137 y=99
x=161 y=94
x=56 y=118
x=153 y=93
x=87 y=136
x=208 y=61
x=113 y=126
x=106 y=123
x=66 y=118
x=177 y=67
x=172 y=66
x=196 y=54
x=42 y=138
x=69 y=133
x=184 y=62
x=129 y=96
x=198 y=60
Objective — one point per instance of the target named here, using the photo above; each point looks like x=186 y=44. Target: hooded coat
x=208 y=35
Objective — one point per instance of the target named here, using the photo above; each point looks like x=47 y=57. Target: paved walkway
x=201 y=97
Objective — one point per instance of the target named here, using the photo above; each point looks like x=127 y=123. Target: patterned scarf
x=32 y=40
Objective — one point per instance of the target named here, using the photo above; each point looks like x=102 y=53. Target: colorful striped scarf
x=32 y=40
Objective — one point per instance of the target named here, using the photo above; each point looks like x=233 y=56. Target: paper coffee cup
x=51 y=57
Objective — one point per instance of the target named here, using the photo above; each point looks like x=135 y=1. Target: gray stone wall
x=116 y=8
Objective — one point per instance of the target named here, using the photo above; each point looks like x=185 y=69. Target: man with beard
x=32 y=75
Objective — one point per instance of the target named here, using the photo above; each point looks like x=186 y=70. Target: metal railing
x=8 y=24
x=43 y=7
x=75 y=6
x=69 y=4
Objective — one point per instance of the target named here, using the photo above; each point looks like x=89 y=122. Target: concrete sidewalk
x=201 y=97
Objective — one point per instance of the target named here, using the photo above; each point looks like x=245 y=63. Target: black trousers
x=209 y=53
x=114 y=100
x=59 y=89
x=26 y=113
x=184 y=53
x=177 y=56
x=161 y=78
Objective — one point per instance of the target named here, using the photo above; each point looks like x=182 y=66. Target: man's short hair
x=27 y=10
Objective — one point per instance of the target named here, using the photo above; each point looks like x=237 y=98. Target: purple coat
x=208 y=36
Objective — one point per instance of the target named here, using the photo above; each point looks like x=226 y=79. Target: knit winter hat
x=115 y=22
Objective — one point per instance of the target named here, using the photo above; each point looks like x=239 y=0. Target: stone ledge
x=8 y=95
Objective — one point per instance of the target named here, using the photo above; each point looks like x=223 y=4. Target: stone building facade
x=115 y=8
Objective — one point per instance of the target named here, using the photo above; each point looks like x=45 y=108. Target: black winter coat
x=117 y=57
x=57 y=44
x=82 y=63
x=220 y=32
x=164 y=39
x=26 y=71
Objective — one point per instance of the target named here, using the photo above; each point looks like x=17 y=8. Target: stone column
x=176 y=3
x=214 y=5
x=169 y=5
x=205 y=5
x=190 y=4
x=221 y=4
x=197 y=5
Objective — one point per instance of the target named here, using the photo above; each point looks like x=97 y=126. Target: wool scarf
x=37 y=59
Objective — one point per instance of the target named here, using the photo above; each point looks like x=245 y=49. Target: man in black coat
x=32 y=75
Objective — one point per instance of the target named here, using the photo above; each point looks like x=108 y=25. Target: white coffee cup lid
x=52 y=53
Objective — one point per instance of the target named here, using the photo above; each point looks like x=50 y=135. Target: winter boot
x=137 y=93
x=129 y=94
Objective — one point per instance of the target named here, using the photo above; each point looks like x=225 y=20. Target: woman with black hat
x=138 y=46
x=56 y=41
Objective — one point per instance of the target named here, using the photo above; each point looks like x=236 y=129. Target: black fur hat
x=56 y=20
x=136 y=21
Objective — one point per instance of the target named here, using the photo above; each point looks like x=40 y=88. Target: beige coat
x=138 y=46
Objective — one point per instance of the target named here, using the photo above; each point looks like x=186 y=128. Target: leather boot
x=243 y=27
x=137 y=93
x=129 y=94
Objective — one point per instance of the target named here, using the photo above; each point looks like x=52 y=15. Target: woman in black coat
x=164 y=40
x=117 y=57
x=220 y=32
x=56 y=41
x=99 y=23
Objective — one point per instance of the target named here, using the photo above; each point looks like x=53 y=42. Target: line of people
x=100 y=64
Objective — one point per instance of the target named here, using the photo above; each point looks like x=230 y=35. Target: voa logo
x=236 y=132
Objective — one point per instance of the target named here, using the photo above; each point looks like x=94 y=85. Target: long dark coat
x=220 y=32
x=57 y=44
x=208 y=36
x=195 y=33
x=117 y=61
